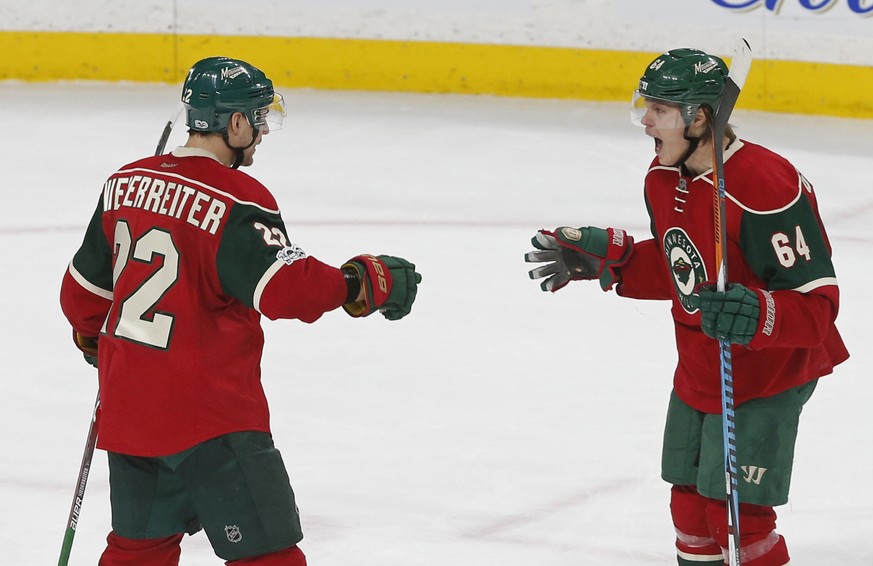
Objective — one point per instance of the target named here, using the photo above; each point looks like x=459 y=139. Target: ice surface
x=497 y=425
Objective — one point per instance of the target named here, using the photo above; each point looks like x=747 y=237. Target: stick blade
x=741 y=64
x=739 y=70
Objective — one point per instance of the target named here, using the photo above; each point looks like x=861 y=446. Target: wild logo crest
x=685 y=264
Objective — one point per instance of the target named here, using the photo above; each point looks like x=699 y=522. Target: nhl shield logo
x=685 y=264
x=233 y=534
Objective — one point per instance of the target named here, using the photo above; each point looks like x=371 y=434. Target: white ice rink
x=497 y=425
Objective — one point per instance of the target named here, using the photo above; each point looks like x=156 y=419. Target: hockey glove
x=579 y=254
x=88 y=346
x=731 y=315
x=389 y=284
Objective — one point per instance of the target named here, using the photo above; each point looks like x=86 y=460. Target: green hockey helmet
x=216 y=87
x=688 y=78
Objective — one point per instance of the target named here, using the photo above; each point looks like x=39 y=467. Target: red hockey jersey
x=179 y=261
x=776 y=245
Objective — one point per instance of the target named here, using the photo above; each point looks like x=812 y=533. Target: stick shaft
x=81 y=482
x=736 y=78
x=168 y=128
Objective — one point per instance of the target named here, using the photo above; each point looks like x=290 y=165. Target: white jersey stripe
x=812 y=285
x=262 y=284
x=87 y=285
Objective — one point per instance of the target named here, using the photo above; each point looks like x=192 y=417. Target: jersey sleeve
x=259 y=267
x=643 y=277
x=788 y=250
x=86 y=290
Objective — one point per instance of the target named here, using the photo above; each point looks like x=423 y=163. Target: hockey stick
x=79 y=494
x=739 y=69
x=168 y=128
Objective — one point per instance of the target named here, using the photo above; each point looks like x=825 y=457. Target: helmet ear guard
x=685 y=115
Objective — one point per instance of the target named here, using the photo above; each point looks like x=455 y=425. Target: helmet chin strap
x=238 y=151
x=693 y=143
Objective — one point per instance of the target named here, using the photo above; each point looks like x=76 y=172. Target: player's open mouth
x=658 y=144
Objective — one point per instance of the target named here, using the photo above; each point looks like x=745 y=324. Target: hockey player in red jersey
x=183 y=255
x=778 y=310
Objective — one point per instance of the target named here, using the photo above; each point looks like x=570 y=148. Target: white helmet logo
x=704 y=67
x=231 y=72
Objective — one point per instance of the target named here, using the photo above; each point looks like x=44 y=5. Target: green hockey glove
x=730 y=316
x=579 y=254
x=88 y=347
x=388 y=284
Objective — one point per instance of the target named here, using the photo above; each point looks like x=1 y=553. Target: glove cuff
x=87 y=344
x=620 y=247
x=765 y=334
x=375 y=279
x=353 y=285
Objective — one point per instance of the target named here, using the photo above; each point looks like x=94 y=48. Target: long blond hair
x=710 y=120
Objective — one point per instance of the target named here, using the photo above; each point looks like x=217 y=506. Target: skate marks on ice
x=581 y=516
